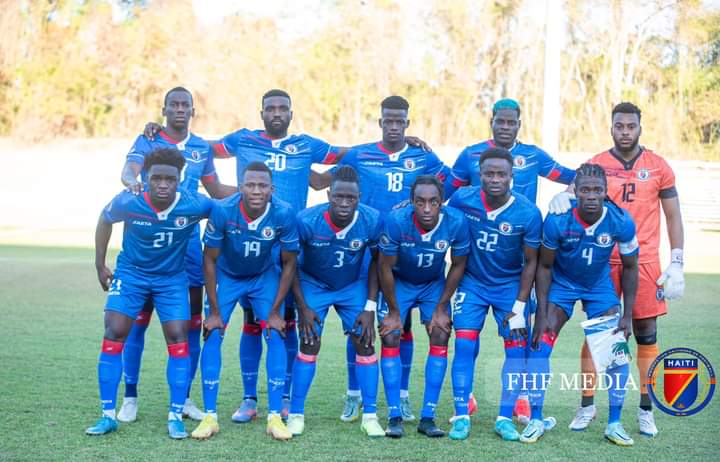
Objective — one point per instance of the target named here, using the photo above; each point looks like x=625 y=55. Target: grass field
x=52 y=327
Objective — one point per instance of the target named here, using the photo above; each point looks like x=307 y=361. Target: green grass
x=52 y=326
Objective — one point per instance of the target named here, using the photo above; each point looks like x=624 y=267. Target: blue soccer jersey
x=497 y=236
x=529 y=162
x=386 y=177
x=289 y=158
x=155 y=241
x=246 y=244
x=582 y=251
x=333 y=257
x=421 y=254
x=198 y=155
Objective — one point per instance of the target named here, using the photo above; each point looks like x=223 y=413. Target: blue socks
x=194 y=345
x=350 y=354
x=303 y=373
x=276 y=365
x=512 y=375
x=406 y=358
x=366 y=369
x=618 y=377
x=109 y=371
x=435 y=368
x=132 y=354
x=291 y=347
x=463 y=368
x=538 y=368
x=210 y=366
x=392 y=370
x=178 y=371
x=250 y=352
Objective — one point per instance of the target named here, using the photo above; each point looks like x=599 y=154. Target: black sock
x=645 y=403
x=587 y=401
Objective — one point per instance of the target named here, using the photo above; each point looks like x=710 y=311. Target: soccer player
x=529 y=162
x=178 y=109
x=158 y=225
x=387 y=170
x=574 y=266
x=239 y=266
x=640 y=182
x=413 y=245
x=334 y=238
x=290 y=157
x=505 y=231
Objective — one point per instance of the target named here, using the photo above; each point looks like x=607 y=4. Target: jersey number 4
x=587 y=255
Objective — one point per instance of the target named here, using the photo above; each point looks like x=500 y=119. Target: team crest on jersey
x=195 y=155
x=505 y=228
x=519 y=161
x=643 y=174
x=604 y=240
x=180 y=222
x=267 y=232
x=355 y=244
x=441 y=244
x=290 y=149
x=409 y=164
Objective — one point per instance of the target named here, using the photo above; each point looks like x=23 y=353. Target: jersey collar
x=492 y=144
x=426 y=236
x=589 y=229
x=180 y=145
x=393 y=156
x=275 y=142
x=492 y=214
x=627 y=164
x=162 y=214
x=253 y=224
x=340 y=233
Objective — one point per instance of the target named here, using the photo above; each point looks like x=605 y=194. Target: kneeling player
x=334 y=238
x=158 y=226
x=574 y=265
x=238 y=263
x=413 y=245
x=505 y=229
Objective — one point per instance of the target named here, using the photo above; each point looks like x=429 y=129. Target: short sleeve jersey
x=154 y=241
x=199 y=165
x=498 y=236
x=246 y=244
x=421 y=254
x=529 y=162
x=637 y=187
x=582 y=251
x=289 y=158
x=333 y=257
x=386 y=177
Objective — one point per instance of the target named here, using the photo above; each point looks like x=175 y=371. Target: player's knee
x=308 y=349
x=439 y=337
x=649 y=339
x=175 y=332
x=391 y=340
x=360 y=348
x=196 y=302
x=645 y=328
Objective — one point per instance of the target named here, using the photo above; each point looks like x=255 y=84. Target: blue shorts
x=256 y=291
x=349 y=302
x=596 y=301
x=194 y=260
x=472 y=301
x=290 y=307
x=131 y=289
x=408 y=295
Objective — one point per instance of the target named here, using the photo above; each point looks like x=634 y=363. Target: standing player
x=158 y=227
x=387 y=170
x=290 y=158
x=334 y=238
x=505 y=229
x=529 y=162
x=241 y=234
x=574 y=266
x=413 y=246
x=199 y=167
x=639 y=181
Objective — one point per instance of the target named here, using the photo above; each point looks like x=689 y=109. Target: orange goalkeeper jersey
x=637 y=186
